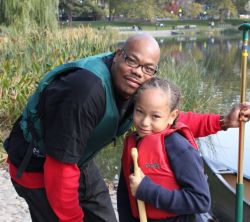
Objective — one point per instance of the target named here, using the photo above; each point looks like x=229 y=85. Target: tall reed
x=198 y=91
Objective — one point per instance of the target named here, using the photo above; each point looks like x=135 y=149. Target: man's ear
x=118 y=50
x=173 y=115
x=117 y=53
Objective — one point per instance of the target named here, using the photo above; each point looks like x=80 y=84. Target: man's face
x=127 y=71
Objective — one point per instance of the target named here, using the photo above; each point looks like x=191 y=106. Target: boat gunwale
x=220 y=173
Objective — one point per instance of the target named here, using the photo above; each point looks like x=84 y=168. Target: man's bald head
x=143 y=41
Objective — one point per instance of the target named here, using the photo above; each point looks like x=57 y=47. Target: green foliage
x=85 y=8
x=71 y=8
x=136 y=9
x=198 y=94
x=117 y=8
x=240 y=5
x=92 y=10
x=29 y=13
x=194 y=10
x=223 y=8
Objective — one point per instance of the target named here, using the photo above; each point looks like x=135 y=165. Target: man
x=84 y=107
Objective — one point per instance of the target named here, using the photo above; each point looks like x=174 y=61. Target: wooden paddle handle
x=141 y=205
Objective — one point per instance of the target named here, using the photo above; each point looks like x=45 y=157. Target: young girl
x=172 y=182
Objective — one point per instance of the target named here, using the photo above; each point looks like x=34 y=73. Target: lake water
x=221 y=56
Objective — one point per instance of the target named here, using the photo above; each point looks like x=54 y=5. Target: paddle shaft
x=240 y=186
x=141 y=205
x=242 y=100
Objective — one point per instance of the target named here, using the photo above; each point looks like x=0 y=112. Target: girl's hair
x=169 y=88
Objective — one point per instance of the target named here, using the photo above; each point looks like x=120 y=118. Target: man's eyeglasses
x=147 y=69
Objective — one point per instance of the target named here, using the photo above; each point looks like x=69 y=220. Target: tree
x=85 y=8
x=69 y=8
x=227 y=9
x=240 y=5
x=194 y=10
x=223 y=8
x=27 y=13
x=117 y=8
x=136 y=9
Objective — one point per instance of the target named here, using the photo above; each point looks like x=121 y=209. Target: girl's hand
x=135 y=181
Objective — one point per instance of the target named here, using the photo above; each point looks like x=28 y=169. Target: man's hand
x=135 y=181
x=245 y=112
x=238 y=113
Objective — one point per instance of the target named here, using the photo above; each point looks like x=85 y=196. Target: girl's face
x=152 y=112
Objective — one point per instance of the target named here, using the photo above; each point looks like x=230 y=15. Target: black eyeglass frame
x=137 y=65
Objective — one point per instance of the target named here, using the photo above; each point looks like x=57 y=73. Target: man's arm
x=61 y=184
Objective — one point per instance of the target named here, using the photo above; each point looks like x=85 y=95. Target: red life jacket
x=153 y=161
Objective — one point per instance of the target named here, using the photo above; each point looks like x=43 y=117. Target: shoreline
x=14 y=209
x=155 y=33
x=173 y=32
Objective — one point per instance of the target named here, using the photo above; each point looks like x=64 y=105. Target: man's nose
x=138 y=71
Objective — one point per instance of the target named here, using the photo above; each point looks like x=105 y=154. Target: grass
x=169 y=24
x=197 y=95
